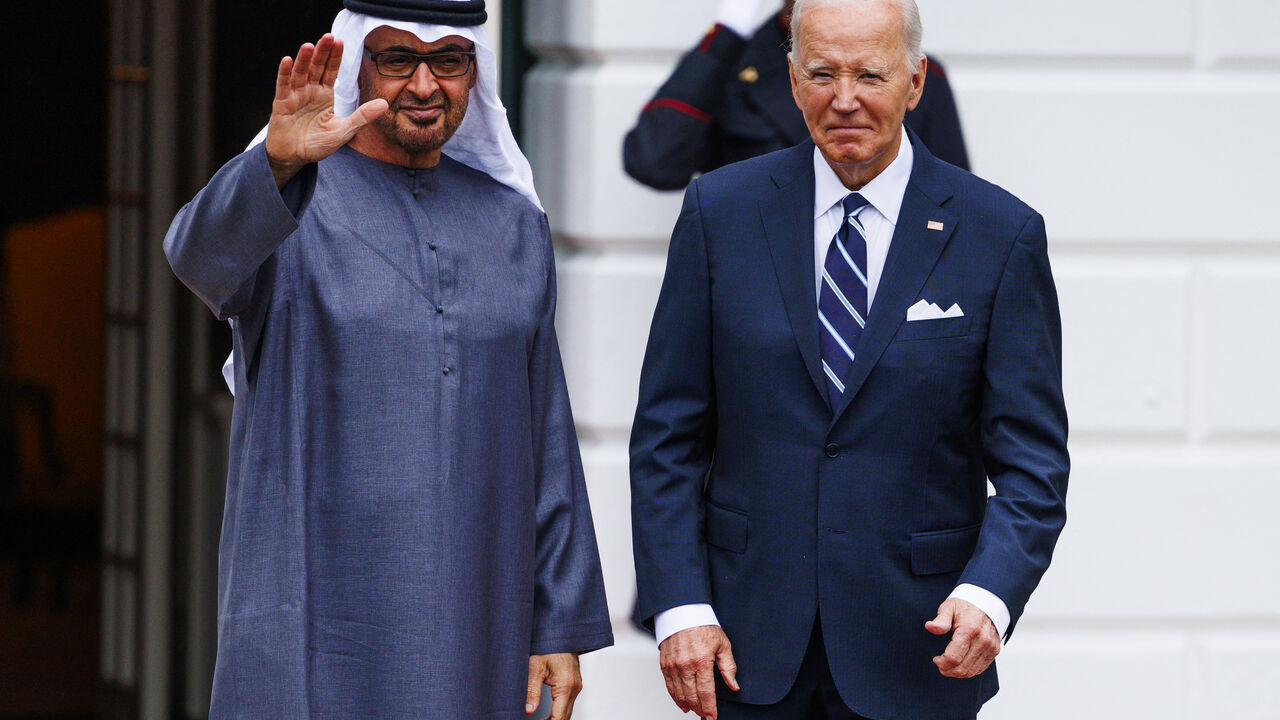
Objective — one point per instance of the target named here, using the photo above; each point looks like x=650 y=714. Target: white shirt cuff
x=987 y=602
x=683 y=617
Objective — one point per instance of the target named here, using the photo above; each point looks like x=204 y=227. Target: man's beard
x=414 y=137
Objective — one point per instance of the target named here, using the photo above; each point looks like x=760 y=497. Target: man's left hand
x=974 y=640
x=561 y=672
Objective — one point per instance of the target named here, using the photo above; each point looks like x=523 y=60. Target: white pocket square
x=925 y=310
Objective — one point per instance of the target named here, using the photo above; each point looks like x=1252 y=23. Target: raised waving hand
x=303 y=127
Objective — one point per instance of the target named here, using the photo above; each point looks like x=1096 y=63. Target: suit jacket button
x=833 y=450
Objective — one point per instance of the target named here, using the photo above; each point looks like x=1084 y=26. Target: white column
x=599 y=63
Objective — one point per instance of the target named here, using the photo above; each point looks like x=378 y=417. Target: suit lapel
x=786 y=211
x=912 y=255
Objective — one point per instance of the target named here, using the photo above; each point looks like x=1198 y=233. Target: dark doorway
x=250 y=37
x=52 y=239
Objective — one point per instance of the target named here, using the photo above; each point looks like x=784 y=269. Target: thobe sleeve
x=222 y=243
x=570 y=613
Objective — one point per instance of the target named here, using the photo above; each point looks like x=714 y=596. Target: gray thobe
x=406 y=519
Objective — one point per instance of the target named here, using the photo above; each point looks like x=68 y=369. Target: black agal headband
x=459 y=13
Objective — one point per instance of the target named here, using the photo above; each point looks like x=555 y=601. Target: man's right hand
x=303 y=128
x=689 y=659
x=742 y=16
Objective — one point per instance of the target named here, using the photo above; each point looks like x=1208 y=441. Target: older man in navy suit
x=852 y=338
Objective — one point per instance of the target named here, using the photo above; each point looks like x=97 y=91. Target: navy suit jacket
x=751 y=492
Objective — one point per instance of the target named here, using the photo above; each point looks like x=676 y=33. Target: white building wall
x=1146 y=133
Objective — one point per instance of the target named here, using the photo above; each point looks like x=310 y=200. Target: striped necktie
x=842 y=303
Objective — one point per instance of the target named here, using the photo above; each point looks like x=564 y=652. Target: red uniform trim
x=711 y=35
x=678 y=106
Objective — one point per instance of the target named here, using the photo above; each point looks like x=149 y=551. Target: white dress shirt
x=884 y=193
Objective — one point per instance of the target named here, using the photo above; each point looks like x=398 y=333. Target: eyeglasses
x=401 y=64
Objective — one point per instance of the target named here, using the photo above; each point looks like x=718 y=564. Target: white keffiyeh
x=484 y=140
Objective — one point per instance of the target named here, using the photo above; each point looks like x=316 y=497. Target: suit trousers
x=813 y=696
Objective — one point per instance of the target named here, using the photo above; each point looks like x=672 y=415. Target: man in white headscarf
x=406 y=532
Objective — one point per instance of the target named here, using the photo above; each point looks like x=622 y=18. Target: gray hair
x=912 y=28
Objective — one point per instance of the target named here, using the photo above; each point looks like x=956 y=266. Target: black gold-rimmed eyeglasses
x=402 y=64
